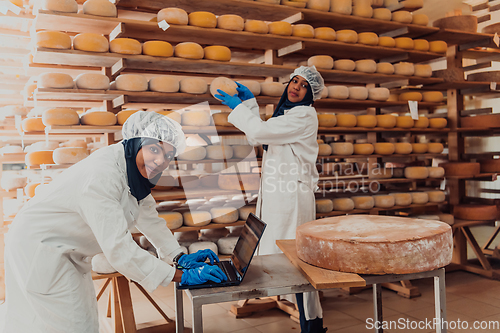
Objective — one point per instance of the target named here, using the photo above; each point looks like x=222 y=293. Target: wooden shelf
x=363 y=180
x=209 y=226
x=179 y=194
x=83 y=129
x=337 y=130
x=8 y=194
x=375 y=209
x=12 y=158
x=486 y=177
x=326 y=158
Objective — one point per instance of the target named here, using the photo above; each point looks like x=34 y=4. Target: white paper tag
x=442 y=186
x=493 y=86
x=496 y=39
x=3 y=9
x=163 y=25
x=413 y=109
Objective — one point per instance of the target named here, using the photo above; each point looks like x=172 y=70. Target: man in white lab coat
x=289 y=176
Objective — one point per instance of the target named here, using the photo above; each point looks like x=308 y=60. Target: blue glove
x=201 y=275
x=243 y=92
x=226 y=99
x=197 y=259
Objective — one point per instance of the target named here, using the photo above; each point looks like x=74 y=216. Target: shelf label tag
x=413 y=109
x=493 y=86
x=442 y=186
x=163 y=25
x=496 y=39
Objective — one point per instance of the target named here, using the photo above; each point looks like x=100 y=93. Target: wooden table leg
x=125 y=300
x=440 y=300
x=116 y=313
x=377 y=307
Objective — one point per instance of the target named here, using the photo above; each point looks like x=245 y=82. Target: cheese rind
x=60 y=116
x=90 y=42
x=256 y=26
x=164 y=83
x=125 y=46
x=303 y=30
x=280 y=28
x=343 y=204
x=325 y=33
x=99 y=8
x=230 y=22
x=131 y=82
x=157 y=48
x=347 y=36
x=324 y=205
x=189 y=50
x=321 y=61
x=363 y=202
x=202 y=19
x=193 y=85
x=69 y=155
x=217 y=52
x=173 y=15
x=92 y=81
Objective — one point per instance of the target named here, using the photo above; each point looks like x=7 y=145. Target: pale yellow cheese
x=341 y=6
x=404 y=122
x=384 y=201
x=358 y=93
x=403 y=148
x=419 y=198
x=90 y=42
x=280 y=28
x=189 y=50
x=379 y=94
x=404 y=68
x=366 y=66
x=386 y=41
x=324 y=149
x=122 y=116
x=368 y=38
x=217 y=52
x=193 y=153
x=173 y=15
x=60 y=116
x=271 y=89
x=92 y=81
x=324 y=205
x=366 y=120
x=55 y=81
x=338 y=92
x=423 y=70
x=363 y=202
x=99 y=8
x=256 y=26
x=382 y=14
x=202 y=19
x=342 y=148
x=344 y=64
x=164 y=83
x=195 y=118
x=402 y=199
x=385 y=68
x=417 y=172
x=384 y=148
x=347 y=36
x=157 y=48
x=33 y=125
x=230 y=22
x=343 y=204
x=69 y=155
x=224 y=214
x=197 y=218
x=65 y=6
x=193 y=85
x=325 y=33
x=436 y=172
x=321 y=61
x=223 y=83
x=402 y=16
x=131 y=82
x=363 y=149
x=125 y=46
x=39 y=157
x=386 y=120
x=303 y=30
x=346 y=120
x=327 y=120
x=98 y=118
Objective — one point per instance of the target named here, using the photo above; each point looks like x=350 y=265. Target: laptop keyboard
x=226 y=267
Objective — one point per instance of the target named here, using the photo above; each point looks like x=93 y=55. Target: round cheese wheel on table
x=385 y=68
x=251 y=182
x=402 y=199
x=324 y=205
x=437 y=122
x=344 y=65
x=122 y=116
x=432 y=96
x=173 y=219
x=341 y=7
x=372 y=244
x=366 y=66
x=475 y=212
x=325 y=33
x=346 y=120
x=403 y=148
x=173 y=15
x=217 y=52
x=224 y=84
x=193 y=153
x=224 y=214
x=343 y=204
x=55 y=81
x=202 y=19
x=69 y=155
x=347 y=36
x=416 y=172
x=420 y=19
x=60 y=116
x=404 y=122
x=125 y=46
x=321 y=61
x=99 y=8
x=342 y=148
x=219 y=152
x=404 y=68
x=421 y=45
x=363 y=149
x=323 y=5
x=384 y=148
x=157 y=48
x=402 y=16
x=256 y=26
x=436 y=172
x=195 y=118
x=271 y=89
x=90 y=42
x=65 y=6
x=197 y=218
x=366 y=120
x=386 y=41
x=131 y=82
x=253 y=86
x=33 y=125
x=280 y=28
x=324 y=150
x=338 y=92
x=386 y=120
x=461 y=169
x=193 y=85
x=410 y=96
x=382 y=14
x=363 y=202
x=368 y=38
x=39 y=157
x=379 y=94
x=98 y=118
x=230 y=22
x=303 y=30
x=164 y=83
x=327 y=120
x=189 y=50
x=358 y=93
x=384 y=201
x=92 y=81
x=438 y=46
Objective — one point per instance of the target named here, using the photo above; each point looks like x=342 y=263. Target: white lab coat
x=86 y=210
x=288 y=174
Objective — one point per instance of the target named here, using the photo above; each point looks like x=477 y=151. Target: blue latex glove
x=243 y=92
x=197 y=259
x=201 y=275
x=226 y=99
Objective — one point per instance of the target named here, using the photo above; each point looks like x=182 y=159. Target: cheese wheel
x=321 y=61
x=422 y=122
x=122 y=116
x=475 y=212
x=432 y=96
x=413 y=4
x=303 y=30
x=33 y=125
x=280 y=28
x=193 y=85
x=386 y=120
x=404 y=122
x=69 y=155
x=362 y=11
x=344 y=65
x=363 y=202
x=342 y=148
x=323 y=5
x=379 y=94
x=393 y=98
x=271 y=89
x=164 y=83
x=410 y=96
x=92 y=81
x=386 y=41
x=253 y=86
x=327 y=120
x=173 y=15
x=224 y=214
x=216 y=152
x=220 y=119
x=402 y=199
x=195 y=118
x=90 y=42
x=436 y=172
x=202 y=19
x=461 y=169
x=382 y=14
x=385 y=68
x=418 y=172
x=384 y=201
x=402 y=16
x=403 y=148
x=368 y=38
x=404 y=43
x=217 y=52
x=41 y=145
x=366 y=120
x=366 y=66
x=195 y=247
x=65 y=6
x=341 y=6
x=346 y=120
x=435 y=148
x=251 y=182
x=226 y=245
x=420 y=19
x=423 y=70
x=173 y=219
x=125 y=46
x=343 y=204
x=437 y=122
x=98 y=118
x=39 y=157
x=29 y=189
x=157 y=48
x=324 y=206
x=421 y=45
x=325 y=33
x=13 y=110
x=419 y=148
x=60 y=116
x=193 y=153
x=243 y=151
x=363 y=149
x=55 y=81
x=347 y=36
x=438 y=46
x=174 y=115
x=338 y=92
x=99 y=8
x=256 y=26
x=358 y=93
x=390 y=3
x=101 y=265
x=14 y=149
x=189 y=50
x=384 y=148
x=131 y=82
x=224 y=84
x=230 y=22
x=404 y=68
x=12 y=182
x=245 y=211
x=419 y=198
x=436 y=196
x=324 y=150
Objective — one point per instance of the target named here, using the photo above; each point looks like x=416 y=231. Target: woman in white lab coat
x=89 y=209
x=289 y=176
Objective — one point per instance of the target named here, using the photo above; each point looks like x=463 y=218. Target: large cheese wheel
x=363 y=202
x=435 y=148
x=404 y=68
x=253 y=86
x=173 y=219
x=101 y=265
x=92 y=81
x=416 y=172
x=432 y=96
x=13 y=111
x=245 y=211
x=386 y=120
x=402 y=199
x=220 y=119
x=338 y=92
x=347 y=36
x=197 y=218
x=324 y=149
x=321 y=61
x=217 y=152
x=344 y=65
x=343 y=204
x=271 y=89
x=358 y=93
x=419 y=148
x=256 y=26
x=386 y=41
x=195 y=118
x=327 y=120
x=379 y=94
x=362 y=11
x=33 y=125
x=98 y=118
x=438 y=46
x=193 y=85
x=157 y=48
x=164 y=83
x=382 y=14
x=323 y=5
x=436 y=172
x=202 y=19
x=243 y=151
x=230 y=22
x=65 y=6
x=224 y=84
x=403 y=148
x=385 y=68
x=423 y=70
x=131 y=82
x=173 y=15
x=410 y=96
x=122 y=116
x=197 y=246
x=404 y=122
x=193 y=153
x=363 y=149
x=224 y=214
x=39 y=157
x=475 y=212
x=60 y=116
x=461 y=169
x=342 y=148
x=55 y=81
x=341 y=6
x=251 y=182
x=325 y=33
x=99 y=8
x=384 y=148
x=437 y=122
x=346 y=120
x=217 y=52
x=69 y=155
x=366 y=120
x=90 y=42
x=421 y=45
x=125 y=46
x=402 y=16
x=303 y=30
x=280 y=28
x=226 y=245
x=189 y=50
x=420 y=19
x=324 y=205
x=436 y=196
x=371 y=244
x=41 y=145
x=368 y=38
x=384 y=201
x=366 y=66
x=419 y=198
x=422 y=122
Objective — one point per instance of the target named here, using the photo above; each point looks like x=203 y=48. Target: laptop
x=236 y=267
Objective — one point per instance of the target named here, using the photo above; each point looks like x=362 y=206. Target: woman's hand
x=197 y=259
x=226 y=99
x=243 y=92
x=202 y=274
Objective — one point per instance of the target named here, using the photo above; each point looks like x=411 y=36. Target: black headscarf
x=140 y=187
x=285 y=104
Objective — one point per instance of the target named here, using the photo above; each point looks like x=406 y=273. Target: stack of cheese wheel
x=343 y=204
x=197 y=218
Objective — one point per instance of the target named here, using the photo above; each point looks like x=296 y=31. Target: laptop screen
x=247 y=243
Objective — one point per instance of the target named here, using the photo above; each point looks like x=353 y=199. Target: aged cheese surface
x=372 y=244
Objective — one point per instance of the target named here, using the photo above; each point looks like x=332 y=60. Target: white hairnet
x=144 y=124
x=313 y=77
